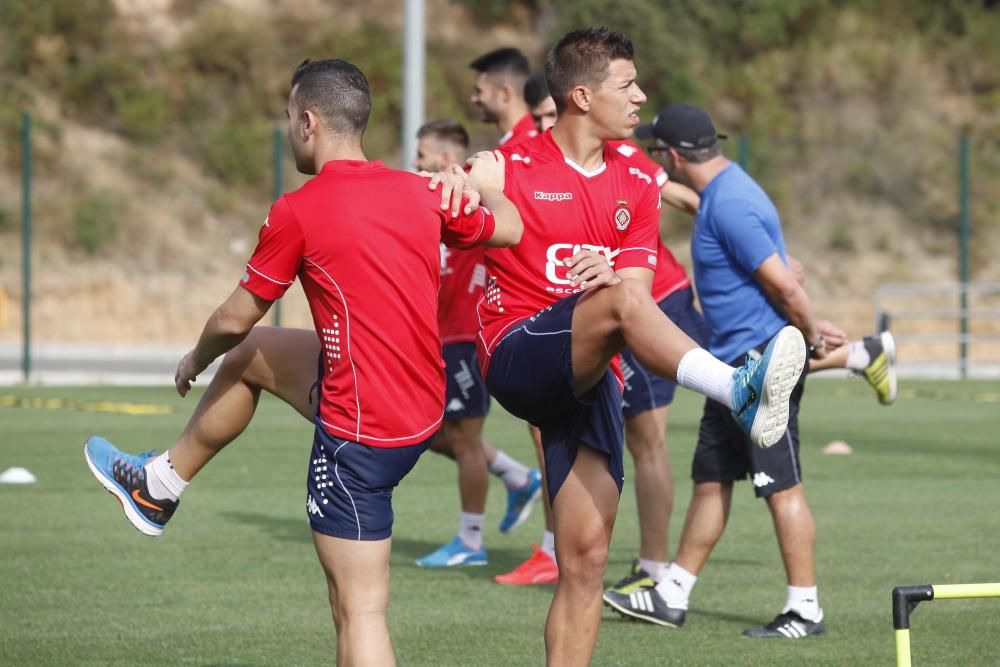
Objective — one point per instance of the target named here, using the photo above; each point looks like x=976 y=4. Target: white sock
x=470 y=530
x=162 y=480
x=549 y=543
x=676 y=586
x=513 y=474
x=703 y=373
x=804 y=600
x=857 y=356
x=656 y=569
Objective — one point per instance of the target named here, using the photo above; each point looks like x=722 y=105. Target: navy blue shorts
x=644 y=390
x=531 y=375
x=350 y=485
x=466 y=395
x=725 y=453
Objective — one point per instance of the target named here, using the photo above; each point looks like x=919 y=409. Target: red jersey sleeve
x=639 y=244
x=467 y=231
x=275 y=262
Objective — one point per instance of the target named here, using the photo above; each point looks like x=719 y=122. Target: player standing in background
x=499 y=94
x=442 y=144
x=367 y=262
x=556 y=315
x=540 y=104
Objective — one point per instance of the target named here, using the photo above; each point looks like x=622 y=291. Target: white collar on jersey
x=584 y=172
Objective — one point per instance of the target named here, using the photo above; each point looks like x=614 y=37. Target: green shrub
x=95 y=223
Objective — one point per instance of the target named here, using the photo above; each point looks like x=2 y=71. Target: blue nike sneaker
x=763 y=387
x=124 y=476
x=453 y=554
x=521 y=501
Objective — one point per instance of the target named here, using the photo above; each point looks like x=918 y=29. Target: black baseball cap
x=681 y=126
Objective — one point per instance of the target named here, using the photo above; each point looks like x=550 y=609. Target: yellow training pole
x=903 y=648
x=963 y=591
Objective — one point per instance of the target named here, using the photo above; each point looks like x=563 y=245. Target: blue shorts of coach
x=531 y=375
x=350 y=485
x=466 y=395
x=645 y=391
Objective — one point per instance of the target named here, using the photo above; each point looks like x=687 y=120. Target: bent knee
x=629 y=294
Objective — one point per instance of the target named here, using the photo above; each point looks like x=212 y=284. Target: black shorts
x=466 y=395
x=725 y=452
x=531 y=376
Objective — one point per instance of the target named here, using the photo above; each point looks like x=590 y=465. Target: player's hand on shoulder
x=590 y=269
x=486 y=171
x=452 y=182
x=188 y=369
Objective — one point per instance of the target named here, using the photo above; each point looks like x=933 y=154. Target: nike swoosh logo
x=142 y=501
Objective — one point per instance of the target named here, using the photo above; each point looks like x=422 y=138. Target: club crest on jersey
x=622 y=215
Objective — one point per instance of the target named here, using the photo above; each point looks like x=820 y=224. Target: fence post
x=279 y=190
x=26 y=245
x=963 y=244
x=744 y=154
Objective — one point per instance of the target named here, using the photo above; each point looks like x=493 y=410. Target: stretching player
x=441 y=144
x=556 y=314
x=382 y=386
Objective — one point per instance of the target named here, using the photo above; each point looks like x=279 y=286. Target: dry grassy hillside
x=138 y=233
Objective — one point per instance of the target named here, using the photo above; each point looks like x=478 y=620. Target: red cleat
x=539 y=569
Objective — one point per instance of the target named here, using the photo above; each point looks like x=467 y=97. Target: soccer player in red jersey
x=498 y=93
x=368 y=263
x=441 y=144
x=564 y=302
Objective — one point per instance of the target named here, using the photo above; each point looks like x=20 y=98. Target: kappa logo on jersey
x=622 y=215
x=558 y=253
x=553 y=196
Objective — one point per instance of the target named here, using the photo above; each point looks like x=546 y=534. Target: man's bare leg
x=462 y=440
x=705 y=522
x=584 y=509
x=280 y=361
x=357 y=573
x=796 y=531
x=654 y=481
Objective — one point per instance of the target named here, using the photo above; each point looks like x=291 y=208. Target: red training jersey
x=370 y=266
x=523 y=129
x=671 y=275
x=613 y=210
x=463 y=277
x=463 y=272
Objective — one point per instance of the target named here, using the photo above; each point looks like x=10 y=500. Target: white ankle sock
x=549 y=543
x=162 y=480
x=654 y=568
x=703 y=373
x=513 y=474
x=676 y=586
x=470 y=529
x=804 y=600
x=858 y=357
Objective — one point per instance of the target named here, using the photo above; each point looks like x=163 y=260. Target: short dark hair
x=445 y=129
x=535 y=89
x=507 y=62
x=336 y=91
x=699 y=155
x=581 y=57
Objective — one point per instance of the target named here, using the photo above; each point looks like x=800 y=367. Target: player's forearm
x=680 y=197
x=793 y=303
x=509 y=225
x=223 y=331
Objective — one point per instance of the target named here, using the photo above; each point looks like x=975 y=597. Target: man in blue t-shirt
x=747 y=294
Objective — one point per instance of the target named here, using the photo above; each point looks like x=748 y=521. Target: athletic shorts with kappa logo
x=350 y=485
x=725 y=453
x=644 y=390
x=466 y=395
x=531 y=376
